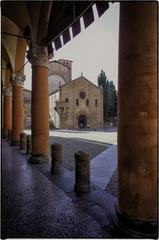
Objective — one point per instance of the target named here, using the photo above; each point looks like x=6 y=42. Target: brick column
x=17 y=108
x=38 y=56
x=7 y=111
x=136 y=212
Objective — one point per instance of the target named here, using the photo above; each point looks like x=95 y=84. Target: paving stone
x=112 y=186
x=32 y=206
x=103 y=166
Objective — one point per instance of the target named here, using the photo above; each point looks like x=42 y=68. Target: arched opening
x=82 y=121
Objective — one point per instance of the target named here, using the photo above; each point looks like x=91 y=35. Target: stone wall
x=86 y=108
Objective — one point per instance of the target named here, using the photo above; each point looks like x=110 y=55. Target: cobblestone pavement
x=35 y=206
x=112 y=186
x=108 y=136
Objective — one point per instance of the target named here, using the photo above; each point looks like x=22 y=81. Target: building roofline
x=80 y=78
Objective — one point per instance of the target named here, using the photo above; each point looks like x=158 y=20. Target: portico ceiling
x=46 y=22
x=65 y=15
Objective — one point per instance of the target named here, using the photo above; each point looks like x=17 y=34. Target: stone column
x=38 y=56
x=7 y=111
x=136 y=212
x=17 y=107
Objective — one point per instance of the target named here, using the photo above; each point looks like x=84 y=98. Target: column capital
x=18 y=79
x=38 y=56
x=7 y=91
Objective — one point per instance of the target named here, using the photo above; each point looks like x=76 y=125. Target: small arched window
x=96 y=103
x=66 y=100
x=87 y=102
x=77 y=102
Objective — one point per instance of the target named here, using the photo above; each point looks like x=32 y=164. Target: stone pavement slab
x=33 y=206
x=103 y=166
x=107 y=136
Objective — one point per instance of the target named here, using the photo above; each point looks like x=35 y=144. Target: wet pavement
x=103 y=135
x=70 y=146
x=38 y=204
x=103 y=166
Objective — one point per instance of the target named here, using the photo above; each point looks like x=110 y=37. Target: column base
x=4 y=136
x=15 y=143
x=39 y=158
x=125 y=227
x=82 y=189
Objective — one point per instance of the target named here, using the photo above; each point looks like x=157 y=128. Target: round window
x=82 y=95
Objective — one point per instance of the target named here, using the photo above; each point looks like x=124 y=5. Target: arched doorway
x=82 y=121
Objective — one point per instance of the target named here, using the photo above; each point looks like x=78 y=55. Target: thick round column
x=7 y=111
x=38 y=57
x=137 y=120
x=17 y=108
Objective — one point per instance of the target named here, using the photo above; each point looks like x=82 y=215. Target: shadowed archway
x=82 y=121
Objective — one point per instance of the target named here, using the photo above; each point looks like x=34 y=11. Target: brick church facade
x=80 y=104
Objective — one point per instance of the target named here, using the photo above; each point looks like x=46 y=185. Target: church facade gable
x=80 y=105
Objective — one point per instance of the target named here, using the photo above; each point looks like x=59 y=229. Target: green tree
x=112 y=100
x=109 y=97
x=103 y=84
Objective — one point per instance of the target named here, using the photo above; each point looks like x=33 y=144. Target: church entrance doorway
x=82 y=121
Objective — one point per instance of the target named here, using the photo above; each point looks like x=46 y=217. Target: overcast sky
x=95 y=48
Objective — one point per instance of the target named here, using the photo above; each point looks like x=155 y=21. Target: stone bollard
x=82 y=172
x=28 y=144
x=9 y=135
x=56 y=158
x=22 y=140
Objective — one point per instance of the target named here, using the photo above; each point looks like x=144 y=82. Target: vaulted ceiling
x=42 y=22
